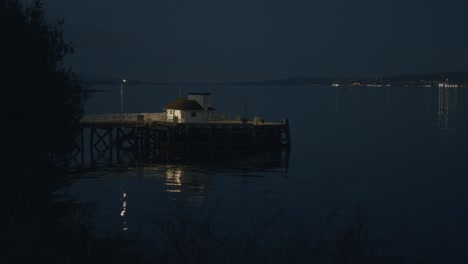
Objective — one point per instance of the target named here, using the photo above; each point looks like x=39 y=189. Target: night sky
x=251 y=40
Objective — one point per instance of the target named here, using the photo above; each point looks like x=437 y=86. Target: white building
x=195 y=108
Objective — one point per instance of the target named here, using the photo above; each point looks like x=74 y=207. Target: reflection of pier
x=182 y=180
x=447 y=110
x=155 y=142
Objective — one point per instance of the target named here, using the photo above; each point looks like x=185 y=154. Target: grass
x=265 y=234
x=204 y=234
x=270 y=236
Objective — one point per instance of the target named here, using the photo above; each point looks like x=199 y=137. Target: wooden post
x=288 y=136
x=109 y=130
x=91 y=146
x=211 y=142
x=82 y=150
x=286 y=159
x=254 y=131
x=136 y=145
x=230 y=138
x=118 y=144
x=168 y=139
x=187 y=142
x=157 y=144
x=146 y=142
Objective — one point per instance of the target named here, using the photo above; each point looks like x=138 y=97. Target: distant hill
x=296 y=81
x=452 y=77
x=91 y=79
x=398 y=80
x=460 y=78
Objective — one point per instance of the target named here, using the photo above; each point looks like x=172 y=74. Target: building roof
x=184 y=104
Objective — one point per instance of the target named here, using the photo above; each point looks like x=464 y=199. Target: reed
x=271 y=236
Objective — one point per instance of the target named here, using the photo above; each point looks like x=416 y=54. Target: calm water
x=399 y=153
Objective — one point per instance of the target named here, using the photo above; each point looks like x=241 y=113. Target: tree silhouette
x=42 y=103
x=40 y=91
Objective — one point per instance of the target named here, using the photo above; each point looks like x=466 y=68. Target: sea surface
x=392 y=161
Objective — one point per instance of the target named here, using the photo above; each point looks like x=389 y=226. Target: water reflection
x=183 y=180
x=339 y=97
x=123 y=200
x=447 y=110
x=253 y=159
x=192 y=181
x=173 y=179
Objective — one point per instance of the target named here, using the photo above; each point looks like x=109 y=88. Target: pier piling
x=156 y=141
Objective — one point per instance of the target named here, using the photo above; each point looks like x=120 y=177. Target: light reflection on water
x=400 y=152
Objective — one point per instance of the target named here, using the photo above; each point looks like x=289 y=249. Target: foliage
x=270 y=235
x=43 y=99
x=43 y=102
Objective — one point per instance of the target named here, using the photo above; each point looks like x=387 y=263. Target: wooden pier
x=140 y=139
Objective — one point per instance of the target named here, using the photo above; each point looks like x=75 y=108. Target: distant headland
x=447 y=79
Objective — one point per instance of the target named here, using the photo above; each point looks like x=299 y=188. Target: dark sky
x=240 y=40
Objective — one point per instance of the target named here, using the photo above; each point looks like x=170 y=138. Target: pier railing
x=150 y=118
x=126 y=117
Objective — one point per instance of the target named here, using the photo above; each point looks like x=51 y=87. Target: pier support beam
x=91 y=144
x=109 y=131
x=150 y=142
x=82 y=161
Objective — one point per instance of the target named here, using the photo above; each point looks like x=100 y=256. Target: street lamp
x=121 y=98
